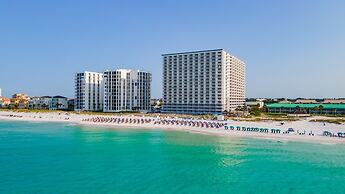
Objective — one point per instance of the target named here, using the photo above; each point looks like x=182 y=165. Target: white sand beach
x=304 y=130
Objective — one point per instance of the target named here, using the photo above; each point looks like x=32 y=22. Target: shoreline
x=304 y=125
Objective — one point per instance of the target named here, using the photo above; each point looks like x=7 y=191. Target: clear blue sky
x=292 y=48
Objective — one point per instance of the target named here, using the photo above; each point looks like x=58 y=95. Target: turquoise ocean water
x=62 y=158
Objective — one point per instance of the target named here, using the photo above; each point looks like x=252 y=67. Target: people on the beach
x=184 y=122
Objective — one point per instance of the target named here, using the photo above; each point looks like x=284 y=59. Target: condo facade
x=20 y=100
x=88 y=91
x=4 y=102
x=203 y=82
x=126 y=90
x=40 y=102
x=59 y=103
x=48 y=103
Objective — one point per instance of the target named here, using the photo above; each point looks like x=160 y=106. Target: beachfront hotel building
x=88 y=91
x=202 y=82
x=126 y=90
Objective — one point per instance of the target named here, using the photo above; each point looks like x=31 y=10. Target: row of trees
x=245 y=110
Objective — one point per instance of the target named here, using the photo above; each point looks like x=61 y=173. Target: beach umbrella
x=327 y=133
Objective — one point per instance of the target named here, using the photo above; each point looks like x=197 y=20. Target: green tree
x=255 y=110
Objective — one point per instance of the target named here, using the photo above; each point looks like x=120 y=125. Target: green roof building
x=334 y=109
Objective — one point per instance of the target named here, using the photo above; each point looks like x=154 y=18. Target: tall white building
x=202 y=82
x=88 y=91
x=126 y=90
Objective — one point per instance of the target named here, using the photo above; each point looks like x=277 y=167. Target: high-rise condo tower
x=203 y=82
x=88 y=91
x=127 y=90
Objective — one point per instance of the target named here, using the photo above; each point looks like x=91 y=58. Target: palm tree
x=334 y=111
x=59 y=105
x=45 y=106
x=298 y=109
x=315 y=109
x=320 y=109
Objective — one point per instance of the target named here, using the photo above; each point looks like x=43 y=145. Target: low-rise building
x=253 y=103
x=70 y=103
x=331 y=109
x=41 y=102
x=19 y=100
x=333 y=101
x=59 y=103
x=306 y=101
x=156 y=105
x=51 y=103
x=20 y=96
x=284 y=101
x=4 y=102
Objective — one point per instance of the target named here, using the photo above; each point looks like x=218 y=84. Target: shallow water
x=61 y=158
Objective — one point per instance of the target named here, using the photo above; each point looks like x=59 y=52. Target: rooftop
x=59 y=97
x=193 y=52
x=126 y=70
